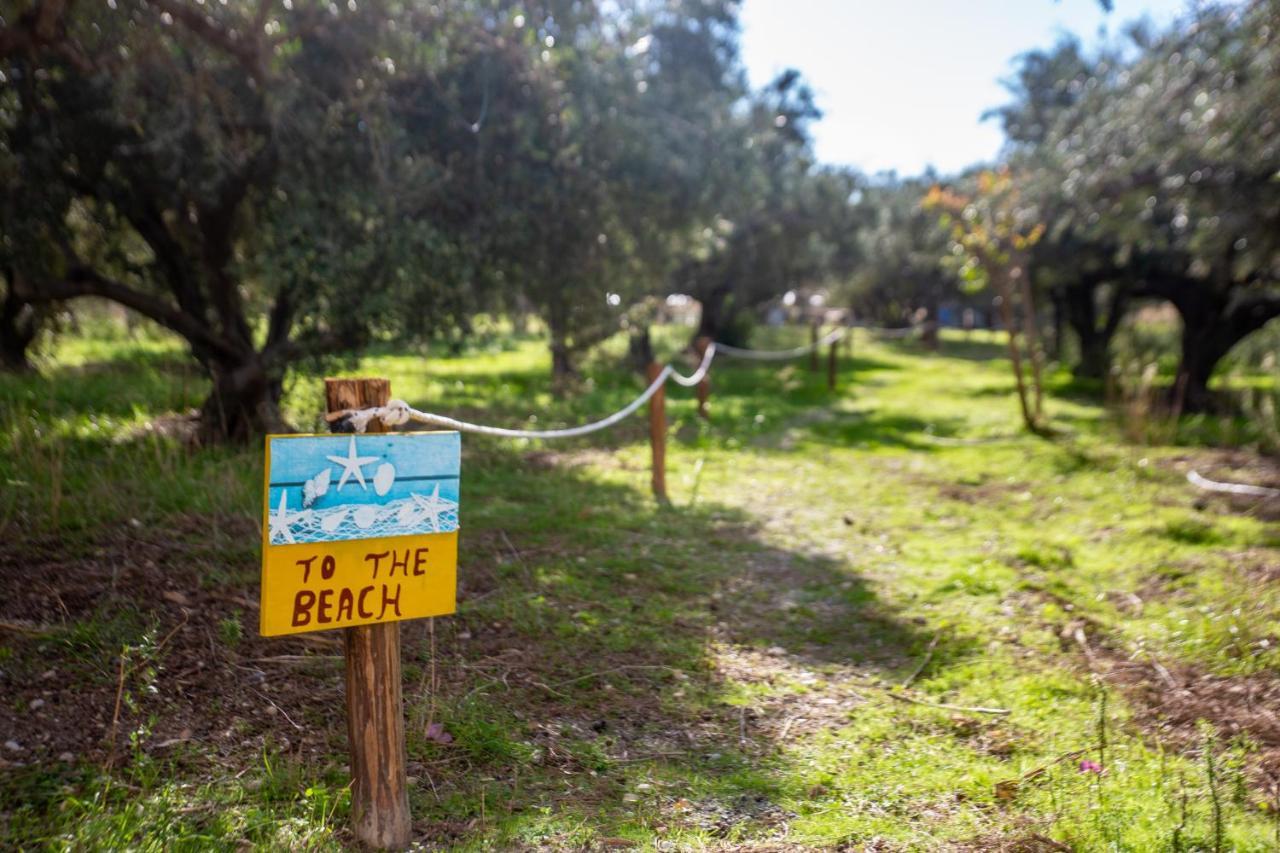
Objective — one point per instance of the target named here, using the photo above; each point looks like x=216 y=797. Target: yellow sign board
x=358 y=530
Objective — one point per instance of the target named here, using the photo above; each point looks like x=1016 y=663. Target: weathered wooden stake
x=704 y=387
x=833 y=353
x=375 y=707
x=658 y=433
x=813 y=347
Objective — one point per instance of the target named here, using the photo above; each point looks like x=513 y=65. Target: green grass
x=716 y=672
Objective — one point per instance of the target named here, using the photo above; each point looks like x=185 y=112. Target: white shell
x=321 y=481
x=365 y=516
x=407 y=515
x=330 y=522
x=384 y=478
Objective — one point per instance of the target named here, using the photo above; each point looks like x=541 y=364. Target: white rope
x=701 y=372
x=398 y=412
x=782 y=354
x=1208 y=485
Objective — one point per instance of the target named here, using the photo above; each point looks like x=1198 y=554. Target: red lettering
x=419 y=557
x=364 y=614
x=328 y=567
x=397 y=563
x=302 y=604
x=322 y=612
x=377 y=558
x=306 y=568
x=346 y=603
x=386 y=600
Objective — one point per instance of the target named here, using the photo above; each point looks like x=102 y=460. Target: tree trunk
x=930 y=330
x=562 y=369
x=1004 y=301
x=19 y=325
x=1080 y=307
x=243 y=403
x=1212 y=324
x=640 y=348
x=1059 y=323
x=711 y=318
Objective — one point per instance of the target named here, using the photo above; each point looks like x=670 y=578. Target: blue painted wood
x=410 y=486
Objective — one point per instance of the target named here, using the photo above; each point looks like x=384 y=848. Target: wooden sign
x=359 y=529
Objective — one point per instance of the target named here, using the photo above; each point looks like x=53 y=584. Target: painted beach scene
x=330 y=488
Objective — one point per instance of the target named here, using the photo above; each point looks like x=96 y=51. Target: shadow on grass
x=591 y=631
x=587 y=650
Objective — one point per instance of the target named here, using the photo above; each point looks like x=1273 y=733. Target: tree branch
x=82 y=281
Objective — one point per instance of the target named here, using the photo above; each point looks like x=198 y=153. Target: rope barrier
x=782 y=354
x=398 y=412
x=1194 y=478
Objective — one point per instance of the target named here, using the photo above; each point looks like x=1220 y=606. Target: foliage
x=1154 y=166
x=904 y=248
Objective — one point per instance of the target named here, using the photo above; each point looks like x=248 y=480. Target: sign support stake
x=375 y=705
x=813 y=346
x=658 y=433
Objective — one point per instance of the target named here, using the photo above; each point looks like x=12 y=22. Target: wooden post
x=658 y=433
x=813 y=347
x=375 y=707
x=832 y=353
x=704 y=387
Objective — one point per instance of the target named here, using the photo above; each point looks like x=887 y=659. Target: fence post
x=658 y=432
x=813 y=346
x=375 y=706
x=704 y=387
x=833 y=352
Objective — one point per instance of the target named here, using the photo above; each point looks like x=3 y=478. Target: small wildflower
x=1088 y=766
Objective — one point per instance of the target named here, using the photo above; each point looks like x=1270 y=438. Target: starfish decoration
x=351 y=465
x=280 y=523
x=431 y=507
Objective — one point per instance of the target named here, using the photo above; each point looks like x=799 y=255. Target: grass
x=719 y=672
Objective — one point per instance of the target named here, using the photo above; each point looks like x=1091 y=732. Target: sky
x=903 y=84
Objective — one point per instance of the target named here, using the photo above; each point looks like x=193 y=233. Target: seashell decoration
x=365 y=516
x=330 y=522
x=384 y=478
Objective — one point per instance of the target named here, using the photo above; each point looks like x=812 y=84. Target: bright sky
x=904 y=83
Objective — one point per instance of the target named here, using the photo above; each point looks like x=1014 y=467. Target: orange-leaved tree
x=992 y=231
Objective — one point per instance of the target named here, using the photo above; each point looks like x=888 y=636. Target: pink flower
x=1088 y=766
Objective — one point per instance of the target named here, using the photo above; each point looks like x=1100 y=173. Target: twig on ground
x=1164 y=674
x=115 y=716
x=1050 y=843
x=964 y=709
x=786 y=727
x=549 y=689
x=30 y=629
x=1043 y=768
x=295 y=658
x=278 y=708
x=924 y=662
x=622 y=668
